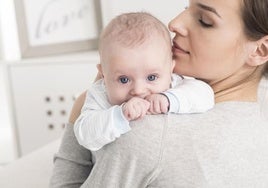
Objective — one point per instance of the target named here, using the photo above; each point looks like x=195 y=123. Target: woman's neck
x=241 y=87
x=244 y=92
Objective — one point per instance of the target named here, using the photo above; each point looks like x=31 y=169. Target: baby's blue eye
x=151 y=77
x=123 y=80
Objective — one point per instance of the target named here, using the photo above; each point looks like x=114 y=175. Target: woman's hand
x=79 y=102
x=77 y=106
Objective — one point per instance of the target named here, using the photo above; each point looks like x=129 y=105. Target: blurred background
x=48 y=55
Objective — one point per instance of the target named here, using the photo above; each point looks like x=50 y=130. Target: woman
x=224 y=43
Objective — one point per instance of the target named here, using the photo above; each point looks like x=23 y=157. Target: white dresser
x=41 y=93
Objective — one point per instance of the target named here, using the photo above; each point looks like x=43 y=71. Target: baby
x=136 y=65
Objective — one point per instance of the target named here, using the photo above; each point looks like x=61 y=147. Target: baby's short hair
x=131 y=29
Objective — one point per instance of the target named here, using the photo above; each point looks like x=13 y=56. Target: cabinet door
x=43 y=95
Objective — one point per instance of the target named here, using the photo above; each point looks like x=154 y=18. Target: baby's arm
x=187 y=96
x=97 y=126
x=190 y=96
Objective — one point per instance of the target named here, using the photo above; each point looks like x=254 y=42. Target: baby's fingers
x=137 y=108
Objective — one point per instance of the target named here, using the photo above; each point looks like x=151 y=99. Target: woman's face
x=209 y=42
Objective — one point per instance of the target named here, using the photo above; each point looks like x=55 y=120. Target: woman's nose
x=177 y=26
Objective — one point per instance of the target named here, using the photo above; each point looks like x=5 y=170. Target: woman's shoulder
x=225 y=113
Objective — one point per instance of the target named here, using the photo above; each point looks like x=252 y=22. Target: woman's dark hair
x=255 y=18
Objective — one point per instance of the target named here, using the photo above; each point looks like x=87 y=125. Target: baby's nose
x=139 y=90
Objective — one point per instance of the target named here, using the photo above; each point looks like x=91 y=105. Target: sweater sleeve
x=72 y=163
x=190 y=96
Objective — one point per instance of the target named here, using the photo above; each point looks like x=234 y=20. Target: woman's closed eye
x=205 y=22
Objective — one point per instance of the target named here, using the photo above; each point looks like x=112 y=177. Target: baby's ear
x=260 y=55
x=100 y=74
x=99 y=67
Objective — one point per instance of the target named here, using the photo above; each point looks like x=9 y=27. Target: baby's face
x=137 y=71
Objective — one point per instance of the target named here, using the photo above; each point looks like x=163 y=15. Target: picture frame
x=50 y=27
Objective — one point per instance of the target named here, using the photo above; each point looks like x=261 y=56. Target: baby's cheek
x=117 y=98
x=166 y=85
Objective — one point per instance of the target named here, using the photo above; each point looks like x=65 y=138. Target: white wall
x=9 y=50
x=9 y=44
x=1 y=49
x=165 y=10
x=7 y=145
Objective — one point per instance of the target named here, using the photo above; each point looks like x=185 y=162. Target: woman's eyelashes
x=205 y=22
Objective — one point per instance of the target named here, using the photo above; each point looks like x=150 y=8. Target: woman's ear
x=260 y=55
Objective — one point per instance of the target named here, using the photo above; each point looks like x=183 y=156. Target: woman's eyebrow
x=211 y=9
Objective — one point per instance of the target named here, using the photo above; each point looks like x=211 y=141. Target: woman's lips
x=177 y=49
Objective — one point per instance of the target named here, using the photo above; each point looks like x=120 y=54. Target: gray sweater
x=227 y=147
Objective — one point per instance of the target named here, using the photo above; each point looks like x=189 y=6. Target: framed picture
x=49 y=27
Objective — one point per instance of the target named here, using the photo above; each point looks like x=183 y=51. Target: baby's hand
x=159 y=103
x=135 y=108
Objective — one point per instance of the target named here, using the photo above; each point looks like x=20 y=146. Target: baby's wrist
x=125 y=112
x=167 y=100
